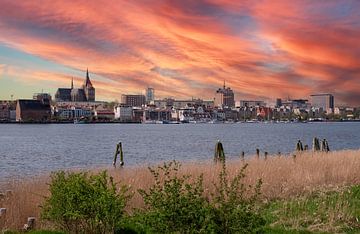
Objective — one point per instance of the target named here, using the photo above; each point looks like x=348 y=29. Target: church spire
x=87 y=80
x=72 y=82
x=224 y=84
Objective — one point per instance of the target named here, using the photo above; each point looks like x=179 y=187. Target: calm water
x=28 y=150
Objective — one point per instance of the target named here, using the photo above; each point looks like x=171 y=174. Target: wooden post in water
x=258 y=153
x=279 y=154
x=316 y=144
x=325 y=146
x=219 y=152
x=265 y=155
x=119 y=151
x=299 y=146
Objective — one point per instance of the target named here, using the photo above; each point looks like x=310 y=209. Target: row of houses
x=40 y=109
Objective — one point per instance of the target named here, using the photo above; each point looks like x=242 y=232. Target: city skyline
x=263 y=49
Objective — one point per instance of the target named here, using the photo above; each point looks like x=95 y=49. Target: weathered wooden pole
x=258 y=153
x=119 y=151
x=219 y=152
x=325 y=146
x=265 y=155
x=299 y=146
x=316 y=144
x=242 y=156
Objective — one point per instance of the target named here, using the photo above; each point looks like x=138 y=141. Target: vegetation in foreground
x=175 y=202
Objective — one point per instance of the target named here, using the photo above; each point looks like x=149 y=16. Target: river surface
x=31 y=149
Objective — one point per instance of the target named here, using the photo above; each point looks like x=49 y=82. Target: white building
x=123 y=112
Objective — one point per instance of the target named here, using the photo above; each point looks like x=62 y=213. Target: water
x=29 y=150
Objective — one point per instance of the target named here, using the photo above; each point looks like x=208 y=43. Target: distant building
x=224 y=97
x=4 y=112
x=84 y=94
x=101 y=113
x=278 y=102
x=324 y=101
x=133 y=100
x=150 y=94
x=296 y=103
x=45 y=97
x=32 y=110
x=123 y=112
x=249 y=103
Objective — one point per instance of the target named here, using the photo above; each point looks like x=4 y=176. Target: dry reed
x=282 y=177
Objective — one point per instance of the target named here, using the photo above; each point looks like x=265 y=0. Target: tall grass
x=282 y=177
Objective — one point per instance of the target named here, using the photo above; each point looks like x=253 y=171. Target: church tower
x=89 y=90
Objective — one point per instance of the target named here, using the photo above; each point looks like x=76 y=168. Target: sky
x=182 y=48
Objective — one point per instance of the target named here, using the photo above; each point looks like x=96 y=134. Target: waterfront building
x=84 y=94
x=249 y=103
x=32 y=110
x=151 y=114
x=224 y=97
x=150 y=94
x=324 y=101
x=138 y=114
x=4 y=112
x=101 y=113
x=133 y=100
x=178 y=104
x=297 y=103
x=123 y=112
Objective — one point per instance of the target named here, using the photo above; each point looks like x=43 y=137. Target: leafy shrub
x=234 y=204
x=176 y=205
x=82 y=203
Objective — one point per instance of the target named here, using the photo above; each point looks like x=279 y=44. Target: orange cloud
x=187 y=48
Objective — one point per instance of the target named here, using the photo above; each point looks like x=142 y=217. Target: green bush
x=82 y=203
x=174 y=204
x=235 y=204
x=177 y=205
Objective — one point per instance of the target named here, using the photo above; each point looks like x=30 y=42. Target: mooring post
x=279 y=154
x=258 y=153
x=121 y=155
x=266 y=155
x=119 y=151
x=219 y=152
x=242 y=156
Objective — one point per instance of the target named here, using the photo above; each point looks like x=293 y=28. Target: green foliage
x=82 y=203
x=234 y=204
x=175 y=204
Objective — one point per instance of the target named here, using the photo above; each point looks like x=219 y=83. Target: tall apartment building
x=324 y=101
x=150 y=94
x=133 y=100
x=224 y=97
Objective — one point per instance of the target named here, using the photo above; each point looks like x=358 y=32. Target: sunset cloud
x=184 y=49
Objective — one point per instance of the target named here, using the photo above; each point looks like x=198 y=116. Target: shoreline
x=221 y=122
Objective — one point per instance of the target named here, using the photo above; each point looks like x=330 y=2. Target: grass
x=315 y=193
x=321 y=211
